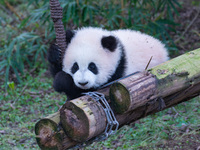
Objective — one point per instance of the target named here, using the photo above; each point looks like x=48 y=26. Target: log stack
x=131 y=98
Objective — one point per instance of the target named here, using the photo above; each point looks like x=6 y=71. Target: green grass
x=23 y=105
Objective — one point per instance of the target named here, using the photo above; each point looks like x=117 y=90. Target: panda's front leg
x=63 y=82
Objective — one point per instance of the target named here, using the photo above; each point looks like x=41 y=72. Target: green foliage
x=24 y=41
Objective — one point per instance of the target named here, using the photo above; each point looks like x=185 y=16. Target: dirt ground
x=187 y=37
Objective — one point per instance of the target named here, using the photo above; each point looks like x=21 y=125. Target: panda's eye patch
x=74 y=68
x=93 y=68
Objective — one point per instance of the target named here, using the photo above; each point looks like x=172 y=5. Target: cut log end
x=71 y=122
x=47 y=135
x=82 y=119
x=120 y=98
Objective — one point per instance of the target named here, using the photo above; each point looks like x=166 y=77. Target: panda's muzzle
x=82 y=83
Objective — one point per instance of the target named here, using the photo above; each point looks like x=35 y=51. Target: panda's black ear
x=69 y=35
x=109 y=42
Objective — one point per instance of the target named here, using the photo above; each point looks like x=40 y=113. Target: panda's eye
x=74 y=68
x=93 y=68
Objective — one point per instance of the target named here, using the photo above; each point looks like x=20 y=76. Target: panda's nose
x=82 y=83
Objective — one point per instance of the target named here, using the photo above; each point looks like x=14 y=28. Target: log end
x=74 y=122
x=120 y=99
x=47 y=135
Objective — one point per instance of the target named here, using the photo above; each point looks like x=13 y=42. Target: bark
x=50 y=136
x=83 y=118
x=159 y=82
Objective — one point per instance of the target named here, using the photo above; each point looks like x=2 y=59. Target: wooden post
x=161 y=81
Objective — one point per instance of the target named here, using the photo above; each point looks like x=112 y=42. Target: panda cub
x=95 y=56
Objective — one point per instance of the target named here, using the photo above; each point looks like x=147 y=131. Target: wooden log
x=83 y=118
x=155 y=105
x=50 y=136
x=150 y=108
x=81 y=114
x=161 y=81
x=132 y=92
x=151 y=99
x=75 y=123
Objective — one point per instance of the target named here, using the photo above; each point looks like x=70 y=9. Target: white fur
x=139 y=48
x=86 y=47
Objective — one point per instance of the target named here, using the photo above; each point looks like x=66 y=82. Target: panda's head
x=91 y=57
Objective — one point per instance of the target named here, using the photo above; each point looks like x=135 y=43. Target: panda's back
x=139 y=48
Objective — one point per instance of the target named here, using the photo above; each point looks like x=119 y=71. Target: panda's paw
x=63 y=82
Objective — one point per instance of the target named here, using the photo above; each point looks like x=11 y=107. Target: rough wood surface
x=132 y=92
x=161 y=81
x=83 y=118
x=49 y=135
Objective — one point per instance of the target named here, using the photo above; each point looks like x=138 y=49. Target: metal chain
x=110 y=83
x=112 y=123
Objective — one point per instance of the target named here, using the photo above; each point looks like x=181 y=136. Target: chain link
x=112 y=123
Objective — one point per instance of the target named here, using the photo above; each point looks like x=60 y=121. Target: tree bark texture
x=159 y=82
x=50 y=136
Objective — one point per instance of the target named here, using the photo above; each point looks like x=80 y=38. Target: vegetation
x=26 y=92
x=26 y=33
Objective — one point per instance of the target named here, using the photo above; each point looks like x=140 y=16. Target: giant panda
x=95 y=56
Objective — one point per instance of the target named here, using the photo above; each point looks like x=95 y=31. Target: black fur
x=63 y=82
x=74 y=68
x=54 y=59
x=54 y=54
x=109 y=42
x=119 y=72
x=93 y=68
x=69 y=35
